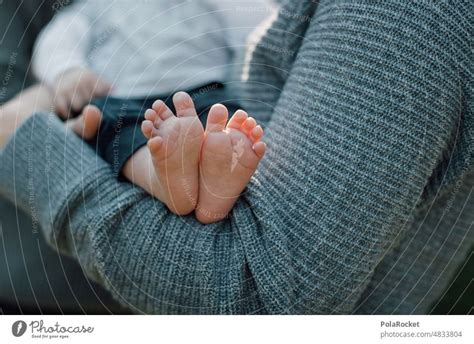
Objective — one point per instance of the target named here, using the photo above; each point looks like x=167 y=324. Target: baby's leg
x=139 y=169
x=229 y=157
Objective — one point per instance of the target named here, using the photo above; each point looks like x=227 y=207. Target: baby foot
x=87 y=124
x=175 y=144
x=229 y=157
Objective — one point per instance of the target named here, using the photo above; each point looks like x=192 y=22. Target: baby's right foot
x=229 y=158
x=175 y=145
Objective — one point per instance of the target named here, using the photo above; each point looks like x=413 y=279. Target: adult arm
x=362 y=122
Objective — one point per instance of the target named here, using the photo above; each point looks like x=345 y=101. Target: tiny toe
x=162 y=110
x=249 y=124
x=184 y=105
x=256 y=133
x=259 y=148
x=151 y=115
x=237 y=119
x=147 y=128
x=217 y=118
x=155 y=144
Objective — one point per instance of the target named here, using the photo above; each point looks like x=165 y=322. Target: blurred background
x=34 y=279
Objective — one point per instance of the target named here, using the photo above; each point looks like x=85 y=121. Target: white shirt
x=148 y=47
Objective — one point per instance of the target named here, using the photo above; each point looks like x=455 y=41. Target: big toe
x=184 y=105
x=217 y=118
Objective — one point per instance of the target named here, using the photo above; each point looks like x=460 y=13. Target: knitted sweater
x=363 y=203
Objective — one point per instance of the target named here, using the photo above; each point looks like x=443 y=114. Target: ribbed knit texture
x=363 y=203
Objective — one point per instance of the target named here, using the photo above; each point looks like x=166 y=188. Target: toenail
x=158 y=103
x=181 y=96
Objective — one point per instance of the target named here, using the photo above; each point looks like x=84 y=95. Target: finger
x=85 y=92
x=61 y=107
x=78 y=102
x=102 y=88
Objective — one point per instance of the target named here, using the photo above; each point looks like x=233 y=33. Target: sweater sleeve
x=363 y=119
x=151 y=260
x=368 y=110
x=62 y=44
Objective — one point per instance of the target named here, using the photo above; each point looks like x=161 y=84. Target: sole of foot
x=230 y=155
x=174 y=142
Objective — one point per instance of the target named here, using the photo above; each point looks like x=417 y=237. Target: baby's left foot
x=229 y=157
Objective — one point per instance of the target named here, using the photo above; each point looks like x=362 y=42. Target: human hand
x=74 y=89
